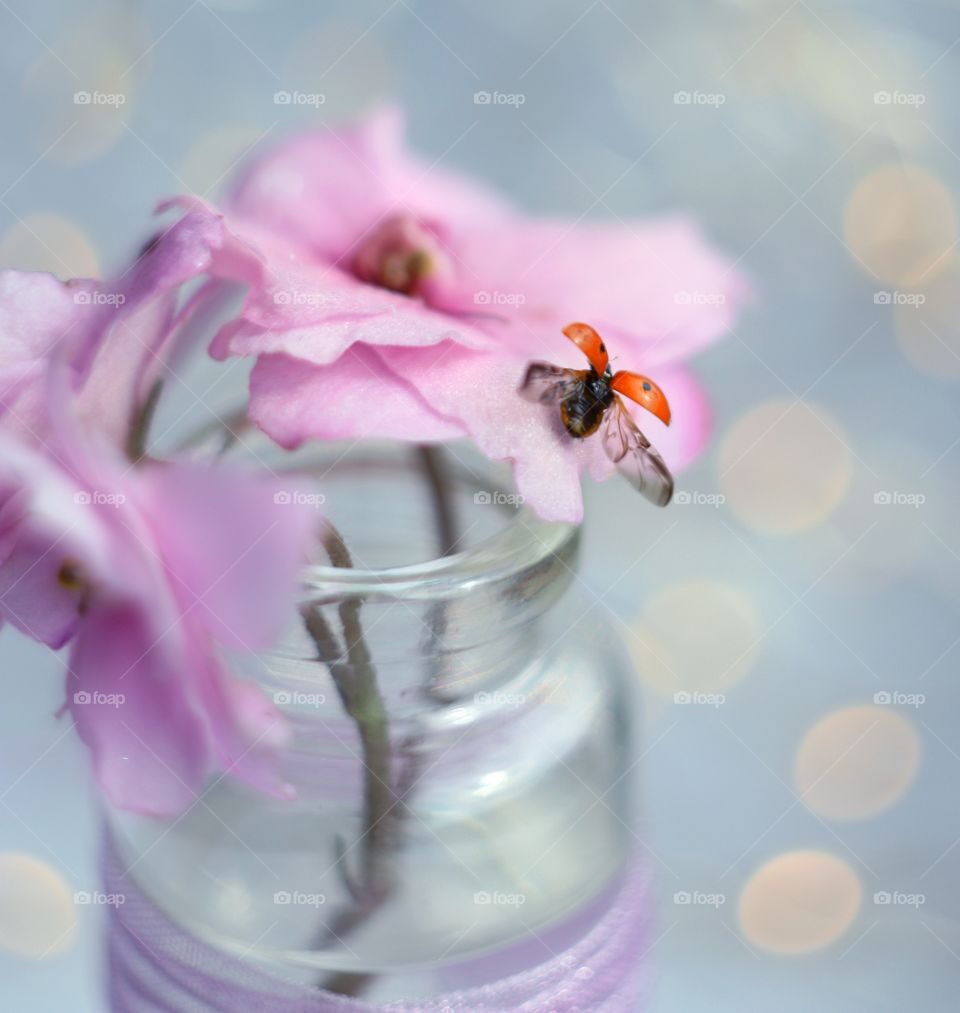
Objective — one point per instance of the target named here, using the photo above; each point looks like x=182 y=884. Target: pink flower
x=115 y=335
x=399 y=300
x=154 y=574
x=37 y=313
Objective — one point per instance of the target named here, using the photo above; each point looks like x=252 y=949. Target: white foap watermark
x=290 y=297
x=685 y=297
x=494 y=497
x=495 y=698
x=694 y=698
x=496 y=898
x=84 y=898
x=298 y=497
x=699 y=98
x=899 y=98
x=885 y=497
x=887 y=297
x=299 y=98
x=486 y=298
x=99 y=98
x=699 y=898
x=896 y=698
x=84 y=698
x=897 y=898
x=96 y=497
x=499 y=98
x=294 y=698
x=694 y=497
x=298 y=898
x=98 y=298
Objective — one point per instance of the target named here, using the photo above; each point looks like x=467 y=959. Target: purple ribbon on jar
x=155 y=966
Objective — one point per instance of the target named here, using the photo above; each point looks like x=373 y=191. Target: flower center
x=400 y=254
x=71 y=577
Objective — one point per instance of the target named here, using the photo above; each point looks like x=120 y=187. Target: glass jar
x=461 y=750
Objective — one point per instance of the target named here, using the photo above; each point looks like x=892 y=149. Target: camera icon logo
x=882 y=698
x=282 y=498
x=682 y=98
x=282 y=98
x=482 y=98
x=882 y=498
x=683 y=697
x=82 y=98
x=82 y=697
x=682 y=897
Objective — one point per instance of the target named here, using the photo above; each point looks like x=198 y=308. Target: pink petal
x=655 y=290
x=480 y=389
x=232 y=545
x=128 y=352
x=354 y=398
x=31 y=597
x=44 y=524
x=150 y=746
x=315 y=311
x=327 y=189
x=38 y=313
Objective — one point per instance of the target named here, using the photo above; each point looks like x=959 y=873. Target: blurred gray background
x=802 y=800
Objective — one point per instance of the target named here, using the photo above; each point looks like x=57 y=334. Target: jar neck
x=443 y=629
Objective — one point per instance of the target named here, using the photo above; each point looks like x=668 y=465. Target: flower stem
x=435 y=470
x=356 y=683
x=140 y=424
x=357 y=686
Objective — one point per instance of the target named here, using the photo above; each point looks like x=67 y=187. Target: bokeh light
x=857 y=762
x=784 y=466
x=37 y=914
x=81 y=89
x=317 y=66
x=207 y=167
x=668 y=659
x=48 y=242
x=799 y=902
x=928 y=325
x=900 y=224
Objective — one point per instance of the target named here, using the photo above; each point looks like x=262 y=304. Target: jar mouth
x=526 y=544
x=521 y=543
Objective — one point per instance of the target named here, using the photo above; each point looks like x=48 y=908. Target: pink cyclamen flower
x=153 y=574
x=398 y=300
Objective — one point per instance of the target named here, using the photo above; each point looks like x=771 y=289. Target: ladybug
x=588 y=398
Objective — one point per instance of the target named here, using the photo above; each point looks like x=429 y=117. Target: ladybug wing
x=636 y=459
x=644 y=391
x=591 y=344
x=549 y=384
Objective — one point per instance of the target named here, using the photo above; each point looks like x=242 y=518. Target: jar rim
x=525 y=543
